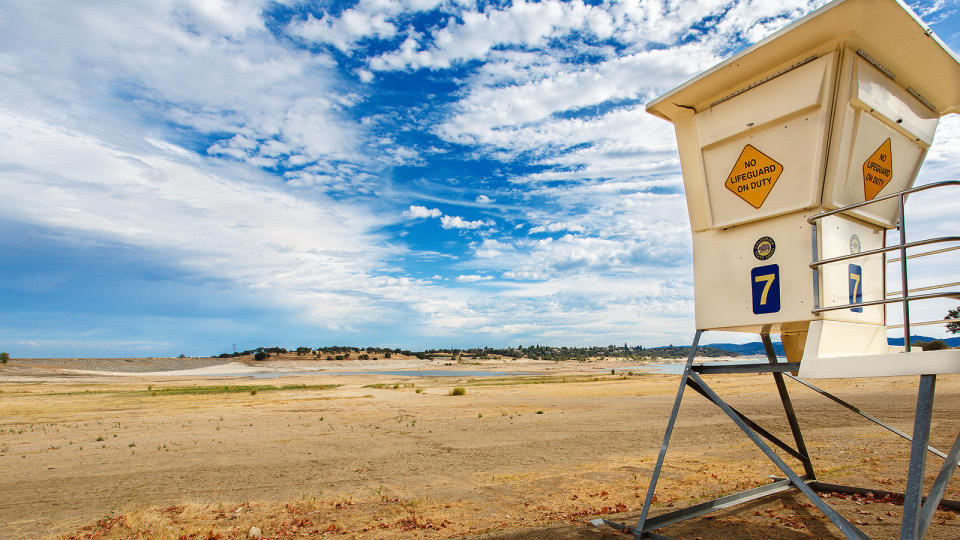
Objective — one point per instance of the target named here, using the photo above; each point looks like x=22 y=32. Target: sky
x=186 y=176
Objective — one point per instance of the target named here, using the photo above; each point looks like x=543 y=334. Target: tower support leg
x=910 y=528
x=939 y=487
x=848 y=529
x=648 y=499
x=788 y=409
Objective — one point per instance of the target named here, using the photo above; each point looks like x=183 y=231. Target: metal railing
x=905 y=295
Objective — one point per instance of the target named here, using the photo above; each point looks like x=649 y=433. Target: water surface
x=397 y=373
x=677 y=368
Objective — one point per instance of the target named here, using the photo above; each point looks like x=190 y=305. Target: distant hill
x=747 y=348
x=953 y=342
x=756 y=347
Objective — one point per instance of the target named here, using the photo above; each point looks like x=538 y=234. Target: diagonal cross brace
x=939 y=487
x=869 y=417
x=847 y=528
x=753 y=425
x=788 y=409
x=648 y=499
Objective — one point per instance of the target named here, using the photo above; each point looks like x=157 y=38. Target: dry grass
x=295 y=463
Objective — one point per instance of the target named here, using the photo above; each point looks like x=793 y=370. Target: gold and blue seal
x=764 y=248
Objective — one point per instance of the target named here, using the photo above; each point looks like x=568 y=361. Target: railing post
x=816 y=269
x=903 y=276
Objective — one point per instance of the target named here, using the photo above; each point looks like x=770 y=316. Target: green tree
x=4 y=357
x=953 y=327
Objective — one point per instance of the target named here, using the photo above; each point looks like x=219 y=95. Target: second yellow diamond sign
x=753 y=176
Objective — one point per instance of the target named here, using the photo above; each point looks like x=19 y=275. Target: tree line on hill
x=565 y=354
x=533 y=352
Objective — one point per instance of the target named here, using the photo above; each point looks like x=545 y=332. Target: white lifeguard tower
x=797 y=156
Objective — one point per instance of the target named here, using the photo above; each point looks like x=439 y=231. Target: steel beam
x=788 y=408
x=734 y=499
x=847 y=528
x=853 y=490
x=754 y=426
x=648 y=499
x=939 y=487
x=912 y=496
x=869 y=417
x=711 y=369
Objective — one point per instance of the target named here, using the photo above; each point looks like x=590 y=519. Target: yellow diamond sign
x=753 y=176
x=877 y=171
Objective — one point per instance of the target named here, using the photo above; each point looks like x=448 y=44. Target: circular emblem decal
x=854 y=244
x=764 y=248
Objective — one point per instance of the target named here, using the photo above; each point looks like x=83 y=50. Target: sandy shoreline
x=215 y=367
x=386 y=456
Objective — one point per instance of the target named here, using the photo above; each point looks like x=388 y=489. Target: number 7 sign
x=765 y=284
x=856 y=286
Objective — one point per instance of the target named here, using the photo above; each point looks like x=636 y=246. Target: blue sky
x=182 y=176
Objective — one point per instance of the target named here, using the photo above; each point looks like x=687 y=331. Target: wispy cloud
x=414 y=171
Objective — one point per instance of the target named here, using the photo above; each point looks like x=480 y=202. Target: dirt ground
x=85 y=456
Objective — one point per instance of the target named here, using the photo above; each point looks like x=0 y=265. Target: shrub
x=419 y=390
x=458 y=391
x=4 y=357
x=935 y=345
x=261 y=356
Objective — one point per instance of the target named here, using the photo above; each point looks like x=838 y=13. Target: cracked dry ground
x=502 y=461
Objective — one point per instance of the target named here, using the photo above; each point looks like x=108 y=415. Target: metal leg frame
x=847 y=528
x=648 y=499
x=910 y=527
x=690 y=378
x=788 y=409
x=918 y=510
x=939 y=487
x=869 y=417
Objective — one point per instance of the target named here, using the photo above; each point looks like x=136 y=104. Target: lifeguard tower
x=797 y=157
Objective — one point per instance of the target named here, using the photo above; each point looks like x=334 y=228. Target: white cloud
x=457 y=222
x=342 y=32
x=209 y=66
x=142 y=123
x=365 y=75
x=419 y=212
x=557 y=226
x=523 y=23
x=490 y=248
x=368 y=19
x=472 y=278
x=207 y=218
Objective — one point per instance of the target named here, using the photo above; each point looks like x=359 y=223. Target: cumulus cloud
x=368 y=19
x=342 y=32
x=472 y=278
x=280 y=157
x=419 y=212
x=457 y=222
x=523 y=23
x=557 y=226
x=209 y=219
x=209 y=67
